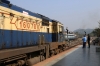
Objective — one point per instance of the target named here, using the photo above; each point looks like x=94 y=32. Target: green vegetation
x=81 y=32
x=96 y=32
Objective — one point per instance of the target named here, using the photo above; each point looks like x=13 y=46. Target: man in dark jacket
x=88 y=39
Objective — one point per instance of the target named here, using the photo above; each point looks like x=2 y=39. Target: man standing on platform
x=88 y=39
x=84 y=39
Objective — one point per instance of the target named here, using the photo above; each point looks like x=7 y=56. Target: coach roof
x=19 y=9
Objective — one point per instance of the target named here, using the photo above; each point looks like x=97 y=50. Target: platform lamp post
x=85 y=33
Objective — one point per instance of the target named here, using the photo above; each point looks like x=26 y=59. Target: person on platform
x=84 y=39
x=88 y=40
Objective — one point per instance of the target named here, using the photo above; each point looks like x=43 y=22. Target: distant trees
x=96 y=32
x=78 y=34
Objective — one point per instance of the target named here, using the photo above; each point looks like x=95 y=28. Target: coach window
x=60 y=29
x=45 y=22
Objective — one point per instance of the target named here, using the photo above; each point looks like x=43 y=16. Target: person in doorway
x=88 y=40
x=84 y=39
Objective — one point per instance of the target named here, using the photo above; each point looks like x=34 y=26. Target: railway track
x=70 y=46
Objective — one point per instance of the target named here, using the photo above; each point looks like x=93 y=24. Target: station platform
x=78 y=57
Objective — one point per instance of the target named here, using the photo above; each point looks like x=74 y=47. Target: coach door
x=1 y=31
x=48 y=35
x=54 y=32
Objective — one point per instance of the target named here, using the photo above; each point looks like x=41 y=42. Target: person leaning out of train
x=84 y=39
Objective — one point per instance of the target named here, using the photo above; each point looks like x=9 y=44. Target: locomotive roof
x=43 y=17
x=19 y=9
x=53 y=20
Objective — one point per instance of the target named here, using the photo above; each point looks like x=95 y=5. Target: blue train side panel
x=47 y=37
x=6 y=36
x=20 y=38
x=61 y=37
x=15 y=39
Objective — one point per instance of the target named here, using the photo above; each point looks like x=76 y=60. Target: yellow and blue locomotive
x=26 y=37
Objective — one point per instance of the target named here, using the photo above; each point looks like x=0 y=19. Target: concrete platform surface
x=79 y=57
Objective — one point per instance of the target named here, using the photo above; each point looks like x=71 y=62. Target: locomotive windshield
x=45 y=20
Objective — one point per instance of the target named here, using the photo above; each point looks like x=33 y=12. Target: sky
x=73 y=14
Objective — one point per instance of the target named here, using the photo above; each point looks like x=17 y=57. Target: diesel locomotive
x=26 y=37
